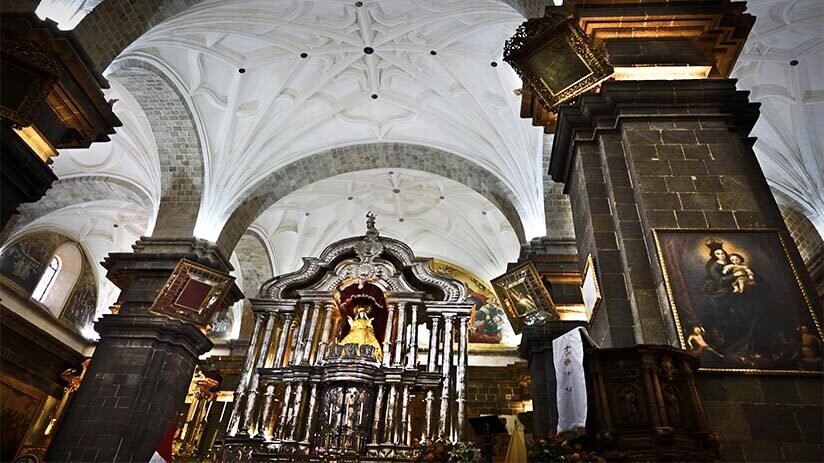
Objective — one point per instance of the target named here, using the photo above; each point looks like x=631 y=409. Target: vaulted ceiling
x=270 y=82
x=782 y=64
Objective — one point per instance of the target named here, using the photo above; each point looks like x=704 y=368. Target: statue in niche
x=361 y=332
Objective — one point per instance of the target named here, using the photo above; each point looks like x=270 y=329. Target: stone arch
x=256 y=268
x=807 y=239
x=178 y=146
x=354 y=158
x=76 y=190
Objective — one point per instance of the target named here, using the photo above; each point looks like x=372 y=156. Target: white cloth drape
x=571 y=390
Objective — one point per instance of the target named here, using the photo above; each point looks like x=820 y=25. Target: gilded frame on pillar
x=738 y=301
x=590 y=288
x=193 y=293
x=555 y=58
x=523 y=294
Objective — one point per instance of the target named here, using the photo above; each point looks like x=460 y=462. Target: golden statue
x=361 y=331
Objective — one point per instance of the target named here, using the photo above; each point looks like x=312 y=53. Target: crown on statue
x=712 y=244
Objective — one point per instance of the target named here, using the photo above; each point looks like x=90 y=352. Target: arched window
x=46 y=280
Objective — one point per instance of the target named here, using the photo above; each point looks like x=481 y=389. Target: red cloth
x=164 y=448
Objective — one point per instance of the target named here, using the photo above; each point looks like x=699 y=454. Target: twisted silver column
x=412 y=346
x=443 y=424
x=390 y=415
x=285 y=331
x=265 y=420
x=404 y=424
x=399 y=336
x=387 y=338
x=310 y=413
x=245 y=373
x=432 y=355
x=324 y=336
x=297 y=353
x=378 y=418
x=310 y=336
x=429 y=418
x=252 y=393
x=280 y=432
x=460 y=385
x=295 y=411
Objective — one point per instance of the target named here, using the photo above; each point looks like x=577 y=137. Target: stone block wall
x=648 y=155
x=766 y=418
x=497 y=390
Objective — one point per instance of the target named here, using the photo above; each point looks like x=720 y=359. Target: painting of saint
x=488 y=322
x=737 y=301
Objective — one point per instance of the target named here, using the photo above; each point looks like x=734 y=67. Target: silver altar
x=305 y=396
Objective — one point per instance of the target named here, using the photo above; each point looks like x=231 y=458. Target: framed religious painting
x=738 y=302
x=193 y=293
x=523 y=295
x=19 y=406
x=556 y=59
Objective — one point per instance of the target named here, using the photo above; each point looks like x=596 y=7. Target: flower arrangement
x=443 y=451
x=554 y=448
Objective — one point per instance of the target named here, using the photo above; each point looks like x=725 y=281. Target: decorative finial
x=370 y=221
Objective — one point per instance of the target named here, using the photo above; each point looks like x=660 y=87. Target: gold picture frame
x=556 y=59
x=193 y=293
x=738 y=301
x=523 y=294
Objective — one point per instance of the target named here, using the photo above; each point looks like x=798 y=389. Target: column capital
x=162 y=329
x=159 y=256
x=620 y=101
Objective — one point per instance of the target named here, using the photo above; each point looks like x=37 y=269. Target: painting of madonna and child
x=738 y=303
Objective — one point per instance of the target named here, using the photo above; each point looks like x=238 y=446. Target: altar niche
x=335 y=368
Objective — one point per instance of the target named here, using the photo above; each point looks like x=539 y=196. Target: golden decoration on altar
x=361 y=332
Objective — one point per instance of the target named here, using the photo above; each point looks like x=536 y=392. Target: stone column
x=536 y=348
x=140 y=373
x=662 y=154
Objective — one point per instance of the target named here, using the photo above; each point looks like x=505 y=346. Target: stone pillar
x=139 y=375
x=536 y=348
x=656 y=154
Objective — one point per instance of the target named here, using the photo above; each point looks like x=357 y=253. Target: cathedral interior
x=338 y=230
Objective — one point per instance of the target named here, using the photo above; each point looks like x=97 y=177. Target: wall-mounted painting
x=22 y=263
x=19 y=404
x=523 y=294
x=737 y=301
x=488 y=322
